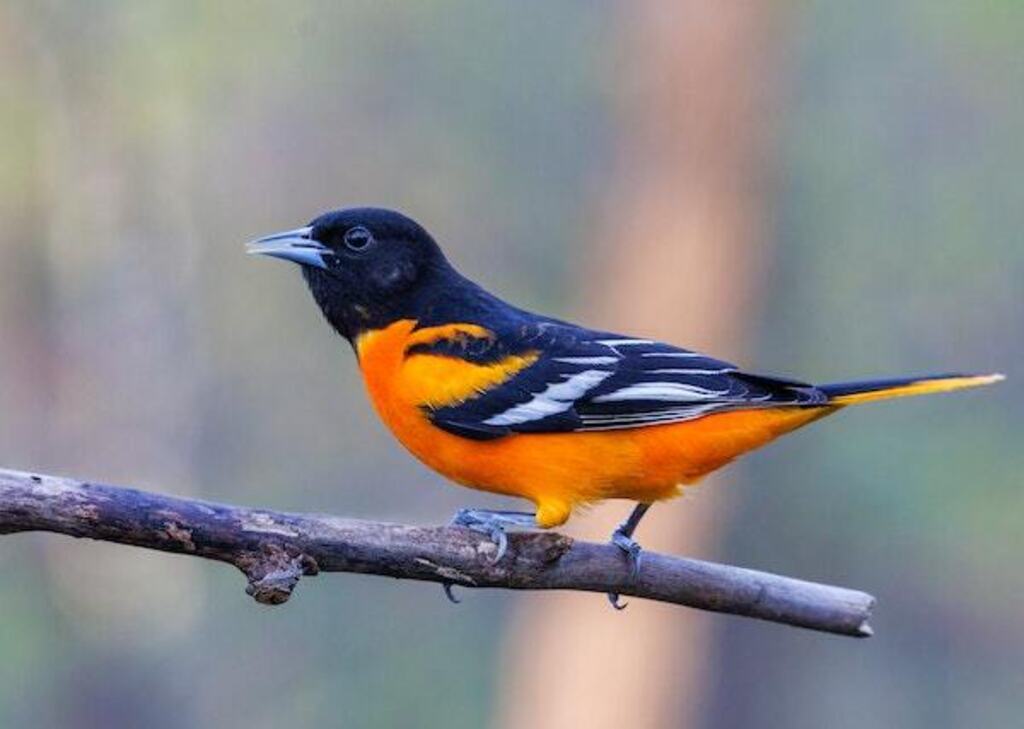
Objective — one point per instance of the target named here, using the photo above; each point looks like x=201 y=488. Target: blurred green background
x=144 y=142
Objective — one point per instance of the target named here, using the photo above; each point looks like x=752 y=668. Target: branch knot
x=274 y=573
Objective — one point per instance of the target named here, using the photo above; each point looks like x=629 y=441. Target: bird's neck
x=441 y=296
x=449 y=298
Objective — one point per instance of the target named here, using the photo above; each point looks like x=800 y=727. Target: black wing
x=585 y=380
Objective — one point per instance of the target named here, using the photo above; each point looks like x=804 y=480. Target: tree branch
x=275 y=549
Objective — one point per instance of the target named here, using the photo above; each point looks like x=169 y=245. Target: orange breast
x=557 y=471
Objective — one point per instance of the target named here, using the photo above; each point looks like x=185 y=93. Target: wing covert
x=584 y=380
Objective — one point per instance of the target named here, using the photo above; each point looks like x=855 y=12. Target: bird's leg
x=493 y=524
x=622 y=538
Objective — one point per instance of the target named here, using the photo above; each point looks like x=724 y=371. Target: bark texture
x=275 y=549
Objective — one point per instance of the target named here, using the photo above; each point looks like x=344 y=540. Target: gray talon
x=493 y=523
x=633 y=553
x=632 y=550
x=499 y=537
x=623 y=539
x=447 y=587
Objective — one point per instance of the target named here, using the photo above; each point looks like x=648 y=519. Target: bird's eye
x=358 y=239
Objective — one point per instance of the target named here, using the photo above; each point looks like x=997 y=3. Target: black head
x=366 y=267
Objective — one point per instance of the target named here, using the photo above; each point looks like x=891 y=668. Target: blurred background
x=809 y=188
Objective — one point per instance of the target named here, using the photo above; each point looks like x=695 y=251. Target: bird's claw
x=633 y=552
x=500 y=538
x=447 y=587
x=613 y=598
x=492 y=524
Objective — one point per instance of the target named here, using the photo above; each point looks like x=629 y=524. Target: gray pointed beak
x=292 y=245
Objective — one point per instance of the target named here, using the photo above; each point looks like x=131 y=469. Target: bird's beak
x=292 y=245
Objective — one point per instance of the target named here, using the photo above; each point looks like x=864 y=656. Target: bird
x=502 y=400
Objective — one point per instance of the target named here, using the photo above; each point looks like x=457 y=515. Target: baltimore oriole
x=502 y=400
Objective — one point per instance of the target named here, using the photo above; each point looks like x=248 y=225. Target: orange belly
x=557 y=471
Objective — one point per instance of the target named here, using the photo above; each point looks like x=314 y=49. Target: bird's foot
x=493 y=524
x=633 y=552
